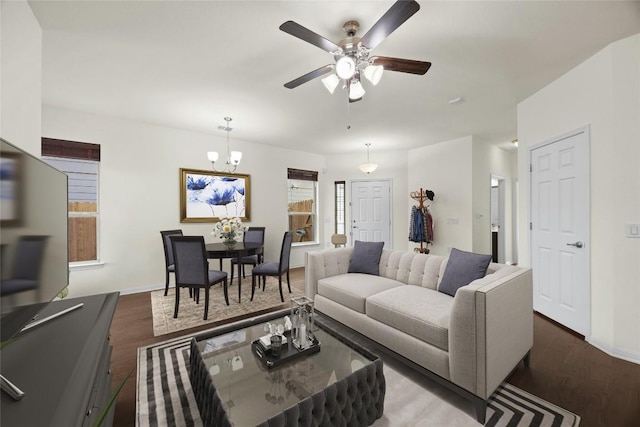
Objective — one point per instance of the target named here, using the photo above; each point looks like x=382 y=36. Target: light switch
x=633 y=231
x=452 y=220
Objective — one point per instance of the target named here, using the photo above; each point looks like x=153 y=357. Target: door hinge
x=530 y=167
x=530 y=226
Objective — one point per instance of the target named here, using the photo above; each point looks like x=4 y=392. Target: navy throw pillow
x=365 y=257
x=462 y=269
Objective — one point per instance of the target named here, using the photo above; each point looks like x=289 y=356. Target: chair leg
x=288 y=282
x=175 y=310
x=253 y=285
x=243 y=272
x=230 y=281
x=206 y=302
x=166 y=285
x=280 y=286
x=264 y=282
x=226 y=291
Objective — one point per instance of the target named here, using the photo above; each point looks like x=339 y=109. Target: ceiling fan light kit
x=345 y=67
x=373 y=73
x=233 y=157
x=356 y=91
x=352 y=55
x=331 y=82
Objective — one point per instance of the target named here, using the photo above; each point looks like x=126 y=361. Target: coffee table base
x=355 y=400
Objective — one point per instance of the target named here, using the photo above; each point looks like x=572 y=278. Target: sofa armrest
x=491 y=329
x=324 y=263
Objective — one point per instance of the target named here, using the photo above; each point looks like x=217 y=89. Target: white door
x=371 y=211
x=560 y=229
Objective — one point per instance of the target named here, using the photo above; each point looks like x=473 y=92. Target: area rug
x=190 y=314
x=164 y=397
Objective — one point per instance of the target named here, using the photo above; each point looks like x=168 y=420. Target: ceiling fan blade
x=309 y=76
x=392 y=19
x=309 y=36
x=402 y=65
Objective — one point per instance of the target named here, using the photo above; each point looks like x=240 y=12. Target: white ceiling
x=188 y=64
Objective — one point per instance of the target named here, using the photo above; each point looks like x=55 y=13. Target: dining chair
x=27 y=264
x=168 y=255
x=274 y=268
x=192 y=270
x=252 y=235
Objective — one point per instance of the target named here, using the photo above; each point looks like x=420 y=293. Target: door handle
x=577 y=244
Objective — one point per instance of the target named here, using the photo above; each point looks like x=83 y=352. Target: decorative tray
x=288 y=351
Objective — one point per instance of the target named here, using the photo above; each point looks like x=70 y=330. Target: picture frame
x=208 y=196
x=10 y=189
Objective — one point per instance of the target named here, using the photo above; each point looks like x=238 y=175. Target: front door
x=560 y=229
x=371 y=211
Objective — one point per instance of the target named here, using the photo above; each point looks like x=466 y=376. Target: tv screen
x=33 y=237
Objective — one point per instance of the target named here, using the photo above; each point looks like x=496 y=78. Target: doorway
x=560 y=229
x=498 y=230
x=371 y=211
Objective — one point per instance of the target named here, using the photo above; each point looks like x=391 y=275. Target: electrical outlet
x=633 y=231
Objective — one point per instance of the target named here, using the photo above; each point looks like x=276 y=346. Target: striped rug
x=165 y=398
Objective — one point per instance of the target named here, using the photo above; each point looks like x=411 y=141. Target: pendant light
x=368 y=167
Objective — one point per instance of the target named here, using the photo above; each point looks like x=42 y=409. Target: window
x=302 y=190
x=80 y=161
x=340 y=207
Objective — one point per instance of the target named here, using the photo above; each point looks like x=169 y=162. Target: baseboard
x=140 y=290
x=629 y=356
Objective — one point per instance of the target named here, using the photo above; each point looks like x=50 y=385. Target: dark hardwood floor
x=564 y=370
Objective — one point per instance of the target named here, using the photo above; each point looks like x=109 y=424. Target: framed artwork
x=10 y=191
x=207 y=196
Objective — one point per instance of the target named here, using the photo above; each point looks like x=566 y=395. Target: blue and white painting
x=215 y=195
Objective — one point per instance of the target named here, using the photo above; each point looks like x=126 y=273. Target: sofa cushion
x=417 y=311
x=365 y=257
x=462 y=269
x=352 y=289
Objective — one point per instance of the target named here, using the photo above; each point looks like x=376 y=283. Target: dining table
x=240 y=249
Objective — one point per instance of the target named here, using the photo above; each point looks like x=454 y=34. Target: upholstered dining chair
x=252 y=235
x=192 y=270
x=27 y=265
x=274 y=268
x=168 y=255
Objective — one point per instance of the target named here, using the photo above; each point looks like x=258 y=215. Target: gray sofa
x=469 y=342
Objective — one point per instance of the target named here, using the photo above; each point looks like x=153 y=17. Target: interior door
x=560 y=230
x=371 y=211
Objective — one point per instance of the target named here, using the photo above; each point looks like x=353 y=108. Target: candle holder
x=302 y=322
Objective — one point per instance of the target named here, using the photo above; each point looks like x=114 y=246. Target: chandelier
x=233 y=157
x=368 y=167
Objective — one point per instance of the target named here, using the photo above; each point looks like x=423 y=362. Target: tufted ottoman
x=343 y=384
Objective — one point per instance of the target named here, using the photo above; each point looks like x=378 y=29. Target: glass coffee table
x=343 y=383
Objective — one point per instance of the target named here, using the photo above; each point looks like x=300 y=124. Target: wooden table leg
x=239 y=280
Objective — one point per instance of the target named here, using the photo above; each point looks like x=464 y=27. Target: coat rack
x=421 y=196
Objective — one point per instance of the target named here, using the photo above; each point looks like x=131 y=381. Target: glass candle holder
x=302 y=322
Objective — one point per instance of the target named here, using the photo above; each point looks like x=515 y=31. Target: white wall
x=445 y=169
x=139 y=193
x=604 y=93
x=20 y=75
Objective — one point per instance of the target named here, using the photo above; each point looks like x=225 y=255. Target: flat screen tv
x=33 y=237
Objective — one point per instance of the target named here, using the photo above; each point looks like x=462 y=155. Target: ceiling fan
x=352 y=55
